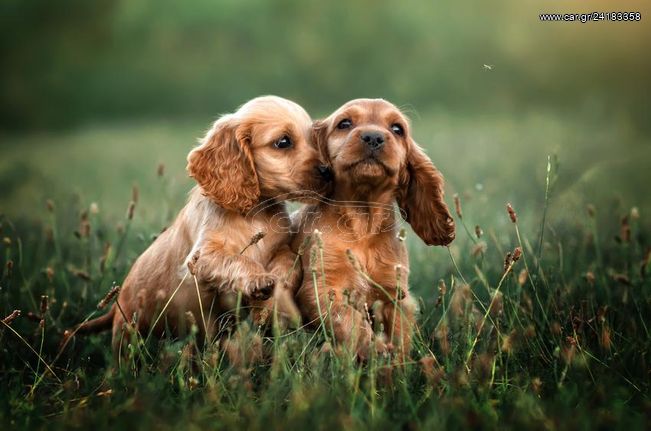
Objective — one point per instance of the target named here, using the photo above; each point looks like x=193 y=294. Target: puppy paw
x=260 y=287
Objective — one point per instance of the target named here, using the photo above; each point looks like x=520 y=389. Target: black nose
x=325 y=172
x=375 y=140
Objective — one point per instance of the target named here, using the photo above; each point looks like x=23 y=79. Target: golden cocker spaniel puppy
x=245 y=166
x=356 y=268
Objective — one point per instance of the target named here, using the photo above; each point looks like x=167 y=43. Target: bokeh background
x=95 y=95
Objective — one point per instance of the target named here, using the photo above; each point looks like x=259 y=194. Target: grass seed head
x=556 y=328
x=318 y=238
x=84 y=226
x=507 y=261
x=635 y=213
x=304 y=244
x=457 y=205
x=49 y=204
x=517 y=253
x=621 y=278
x=478 y=231
x=482 y=366
x=441 y=335
x=431 y=369
x=443 y=288
x=478 y=249
x=522 y=277
x=591 y=210
x=313 y=258
x=568 y=352
x=256 y=238
x=536 y=385
x=192 y=383
x=605 y=339
x=82 y=275
x=509 y=342
x=130 y=210
x=49 y=273
x=135 y=193
x=44 y=305
x=11 y=317
x=512 y=215
x=625 y=230
x=160 y=170
x=353 y=260
x=109 y=297
x=192 y=263
x=460 y=300
x=498 y=304
x=590 y=278
x=192 y=321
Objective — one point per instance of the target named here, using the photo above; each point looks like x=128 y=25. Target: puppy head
x=368 y=143
x=264 y=150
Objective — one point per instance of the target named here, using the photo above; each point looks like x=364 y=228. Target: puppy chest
x=255 y=240
x=380 y=263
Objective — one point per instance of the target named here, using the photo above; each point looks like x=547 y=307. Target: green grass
x=564 y=347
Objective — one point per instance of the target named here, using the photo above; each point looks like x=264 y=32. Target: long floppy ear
x=319 y=135
x=223 y=166
x=421 y=198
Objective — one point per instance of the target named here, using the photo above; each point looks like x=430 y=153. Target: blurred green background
x=94 y=95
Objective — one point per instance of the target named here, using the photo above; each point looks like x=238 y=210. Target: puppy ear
x=223 y=166
x=320 y=135
x=421 y=198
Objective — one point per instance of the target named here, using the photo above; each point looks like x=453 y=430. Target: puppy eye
x=283 y=142
x=344 y=124
x=397 y=129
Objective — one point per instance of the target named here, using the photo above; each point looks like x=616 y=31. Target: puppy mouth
x=310 y=193
x=368 y=161
x=370 y=165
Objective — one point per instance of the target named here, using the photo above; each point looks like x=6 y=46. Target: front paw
x=260 y=287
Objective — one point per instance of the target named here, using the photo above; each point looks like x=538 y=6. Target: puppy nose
x=375 y=140
x=325 y=172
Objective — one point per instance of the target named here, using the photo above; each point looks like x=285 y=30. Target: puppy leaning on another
x=246 y=165
x=375 y=163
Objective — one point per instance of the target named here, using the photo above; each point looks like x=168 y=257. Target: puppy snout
x=325 y=172
x=375 y=140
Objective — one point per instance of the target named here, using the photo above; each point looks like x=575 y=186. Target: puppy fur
x=375 y=163
x=244 y=172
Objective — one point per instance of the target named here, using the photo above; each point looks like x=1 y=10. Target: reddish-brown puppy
x=362 y=276
x=246 y=165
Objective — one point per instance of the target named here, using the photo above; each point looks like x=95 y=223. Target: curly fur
x=203 y=260
x=223 y=166
x=358 y=229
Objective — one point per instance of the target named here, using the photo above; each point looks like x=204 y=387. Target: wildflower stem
x=151 y=329
x=483 y=321
x=37 y=377
x=203 y=318
x=32 y=349
x=318 y=304
x=544 y=216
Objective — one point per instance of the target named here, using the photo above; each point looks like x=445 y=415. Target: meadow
x=556 y=339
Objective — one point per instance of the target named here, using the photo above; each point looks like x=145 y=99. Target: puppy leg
x=342 y=316
x=235 y=273
x=398 y=320
x=286 y=267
